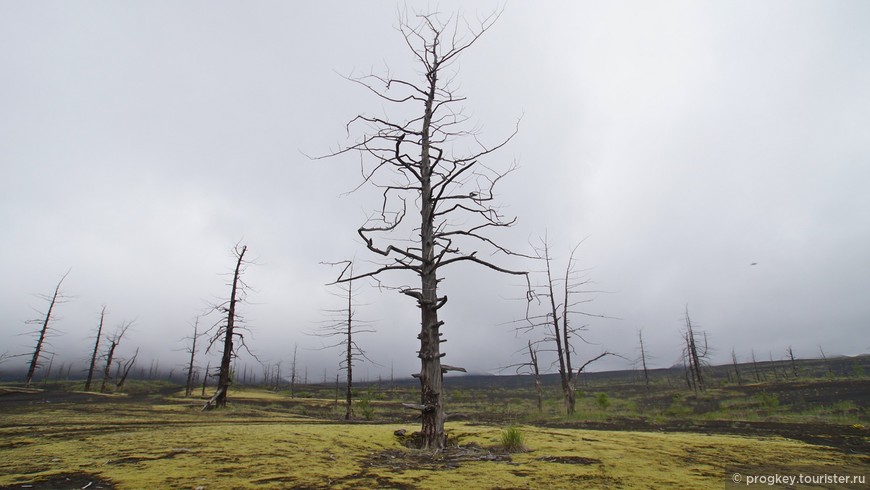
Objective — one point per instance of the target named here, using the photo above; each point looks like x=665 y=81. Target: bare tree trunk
x=539 y=390
x=643 y=358
x=34 y=361
x=127 y=367
x=107 y=372
x=755 y=368
x=227 y=355
x=48 y=371
x=96 y=350
x=773 y=366
x=293 y=372
x=205 y=378
x=557 y=323
x=114 y=341
x=349 y=359
x=825 y=360
x=736 y=369
x=695 y=365
x=793 y=364
x=188 y=390
x=436 y=180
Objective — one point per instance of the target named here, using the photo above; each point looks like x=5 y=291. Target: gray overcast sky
x=140 y=140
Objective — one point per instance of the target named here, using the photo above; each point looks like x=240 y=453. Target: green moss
x=258 y=444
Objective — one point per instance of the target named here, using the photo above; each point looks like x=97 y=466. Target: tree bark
x=189 y=385
x=227 y=355
x=34 y=361
x=96 y=350
x=539 y=391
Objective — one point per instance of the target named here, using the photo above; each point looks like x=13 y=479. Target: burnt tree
x=695 y=354
x=412 y=163
x=736 y=369
x=228 y=328
x=96 y=350
x=794 y=369
x=124 y=369
x=114 y=341
x=563 y=297
x=42 y=334
x=188 y=390
x=345 y=326
x=643 y=358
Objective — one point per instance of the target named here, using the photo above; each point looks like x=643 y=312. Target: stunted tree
x=736 y=368
x=643 y=357
x=41 y=336
x=794 y=369
x=96 y=350
x=114 y=341
x=124 y=368
x=293 y=376
x=695 y=354
x=431 y=162
x=755 y=368
x=228 y=328
x=344 y=326
x=188 y=387
x=563 y=297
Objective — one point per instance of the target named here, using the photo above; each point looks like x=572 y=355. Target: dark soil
x=66 y=481
x=845 y=438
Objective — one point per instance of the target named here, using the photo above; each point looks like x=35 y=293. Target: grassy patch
x=259 y=443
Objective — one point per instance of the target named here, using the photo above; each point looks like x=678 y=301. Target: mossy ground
x=166 y=442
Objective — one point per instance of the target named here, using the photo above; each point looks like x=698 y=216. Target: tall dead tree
x=344 y=324
x=695 y=354
x=188 y=390
x=42 y=334
x=293 y=376
x=563 y=296
x=531 y=367
x=736 y=369
x=124 y=370
x=228 y=328
x=205 y=378
x=825 y=360
x=536 y=372
x=114 y=341
x=643 y=357
x=794 y=370
x=96 y=350
x=413 y=163
x=755 y=368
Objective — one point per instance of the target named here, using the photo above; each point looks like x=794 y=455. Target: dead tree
x=293 y=372
x=96 y=350
x=825 y=360
x=794 y=370
x=563 y=296
x=643 y=358
x=531 y=367
x=114 y=341
x=344 y=325
x=228 y=328
x=695 y=354
x=125 y=370
x=539 y=390
x=755 y=368
x=413 y=163
x=773 y=366
x=736 y=369
x=41 y=336
x=188 y=390
x=205 y=378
